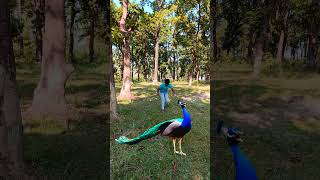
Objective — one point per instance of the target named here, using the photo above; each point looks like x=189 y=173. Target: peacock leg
x=182 y=153
x=174 y=146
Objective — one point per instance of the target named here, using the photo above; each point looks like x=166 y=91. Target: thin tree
x=71 y=30
x=38 y=9
x=282 y=11
x=156 y=47
x=110 y=72
x=49 y=95
x=125 y=92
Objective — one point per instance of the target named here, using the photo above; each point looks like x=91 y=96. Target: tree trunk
x=11 y=151
x=39 y=23
x=156 y=60
x=258 y=57
x=125 y=92
x=250 y=47
x=174 y=65
x=122 y=65
x=110 y=69
x=132 y=74
x=190 y=78
x=213 y=27
x=146 y=64
x=281 y=42
x=259 y=46
x=49 y=96
x=20 y=36
x=91 y=37
x=280 y=48
x=138 y=72
x=71 y=38
x=313 y=32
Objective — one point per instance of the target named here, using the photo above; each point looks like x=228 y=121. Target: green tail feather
x=147 y=134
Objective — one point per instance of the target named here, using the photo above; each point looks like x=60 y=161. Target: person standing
x=163 y=90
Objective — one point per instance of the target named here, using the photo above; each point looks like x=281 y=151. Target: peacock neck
x=186 y=123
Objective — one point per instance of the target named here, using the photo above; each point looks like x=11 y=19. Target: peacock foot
x=177 y=152
x=182 y=153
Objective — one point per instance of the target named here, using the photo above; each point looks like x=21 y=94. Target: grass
x=154 y=158
x=280 y=119
x=51 y=151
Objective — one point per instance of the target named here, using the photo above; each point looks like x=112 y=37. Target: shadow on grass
x=78 y=153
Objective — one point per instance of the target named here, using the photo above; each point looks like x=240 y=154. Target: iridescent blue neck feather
x=186 y=123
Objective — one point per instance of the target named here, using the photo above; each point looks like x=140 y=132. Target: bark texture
x=125 y=92
x=49 y=95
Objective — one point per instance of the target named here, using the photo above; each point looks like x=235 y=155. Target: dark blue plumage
x=244 y=169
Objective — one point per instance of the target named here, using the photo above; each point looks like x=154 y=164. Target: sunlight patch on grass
x=310 y=125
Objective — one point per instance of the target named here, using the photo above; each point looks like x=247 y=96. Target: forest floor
x=53 y=152
x=280 y=118
x=154 y=158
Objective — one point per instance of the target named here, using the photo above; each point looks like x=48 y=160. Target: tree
x=110 y=72
x=213 y=29
x=38 y=23
x=282 y=16
x=157 y=42
x=261 y=36
x=49 y=95
x=125 y=92
x=73 y=13
x=313 y=29
x=11 y=153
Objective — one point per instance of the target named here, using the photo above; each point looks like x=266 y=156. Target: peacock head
x=182 y=104
x=232 y=134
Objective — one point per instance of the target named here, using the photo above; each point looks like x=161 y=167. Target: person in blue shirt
x=163 y=90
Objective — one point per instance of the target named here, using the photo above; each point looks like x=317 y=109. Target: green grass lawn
x=154 y=158
x=281 y=121
x=50 y=151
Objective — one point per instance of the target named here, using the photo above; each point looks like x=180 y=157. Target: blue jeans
x=164 y=99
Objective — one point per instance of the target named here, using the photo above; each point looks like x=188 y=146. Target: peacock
x=244 y=169
x=174 y=128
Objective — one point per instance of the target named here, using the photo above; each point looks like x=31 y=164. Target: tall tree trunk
x=138 y=72
x=281 y=42
x=174 y=67
x=20 y=36
x=122 y=64
x=49 y=95
x=132 y=74
x=110 y=69
x=250 y=47
x=92 y=35
x=258 y=57
x=39 y=23
x=146 y=63
x=156 y=48
x=156 y=59
x=11 y=152
x=259 y=46
x=71 y=30
x=313 y=37
x=190 y=77
x=125 y=92
x=213 y=27
x=305 y=46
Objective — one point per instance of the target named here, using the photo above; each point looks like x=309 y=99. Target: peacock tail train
x=151 y=132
